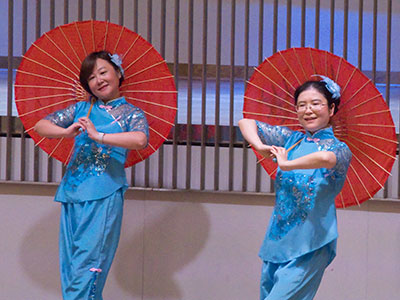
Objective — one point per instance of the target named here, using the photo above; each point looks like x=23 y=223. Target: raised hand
x=280 y=154
x=264 y=150
x=73 y=130
x=88 y=126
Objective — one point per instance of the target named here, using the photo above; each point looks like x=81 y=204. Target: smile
x=102 y=87
x=310 y=119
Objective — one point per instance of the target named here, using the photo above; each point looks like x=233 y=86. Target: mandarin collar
x=323 y=133
x=111 y=103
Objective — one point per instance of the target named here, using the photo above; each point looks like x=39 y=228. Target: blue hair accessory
x=118 y=62
x=331 y=86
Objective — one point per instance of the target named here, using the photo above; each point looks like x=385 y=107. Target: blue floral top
x=97 y=170
x=304 y=216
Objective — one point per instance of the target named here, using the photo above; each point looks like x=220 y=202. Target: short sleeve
x=343 y=159
x=136 y=121
x=64 y=117
x=273 y=135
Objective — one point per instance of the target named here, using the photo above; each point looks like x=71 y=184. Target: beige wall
x=191 y=245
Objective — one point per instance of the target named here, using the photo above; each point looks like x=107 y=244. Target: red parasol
x=48 y=80
x=363 y=121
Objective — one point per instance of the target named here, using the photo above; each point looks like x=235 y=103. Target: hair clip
x=118 y=62
x=331 y=86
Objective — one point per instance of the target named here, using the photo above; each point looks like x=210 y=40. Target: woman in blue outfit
x=92 y=189
x=301 y=238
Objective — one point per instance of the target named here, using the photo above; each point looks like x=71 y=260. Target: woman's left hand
x=88 y=126
x=280 y=154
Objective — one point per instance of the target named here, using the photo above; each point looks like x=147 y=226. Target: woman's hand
x=249 y=131
x=47 y=129
x=280 y=154
x=129 y=140
x=88 y=126
x=73 y=130
x=264 y=150
x=315 y=160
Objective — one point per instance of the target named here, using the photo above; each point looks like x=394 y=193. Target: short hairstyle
x=320 y=86
x=88 y=65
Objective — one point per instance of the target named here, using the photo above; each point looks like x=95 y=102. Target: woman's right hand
x=47 y=129
x=249 y=131
x=264 y=150
x=73 y=130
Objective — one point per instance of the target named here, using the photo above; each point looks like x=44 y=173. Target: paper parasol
x=48 y=80
x=363 y=121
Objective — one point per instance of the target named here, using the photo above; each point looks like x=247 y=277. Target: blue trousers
x=297 y=279
x=89 y=236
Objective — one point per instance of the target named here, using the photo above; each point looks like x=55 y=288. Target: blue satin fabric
x=91 y=195
x=297 y=279
x=89 y=236
x=93 y=164
x=304 y=216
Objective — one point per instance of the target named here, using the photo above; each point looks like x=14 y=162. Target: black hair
x=320 y=86
x=88 y=65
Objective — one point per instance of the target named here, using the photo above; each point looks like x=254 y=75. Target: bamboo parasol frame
x=362 y=114
x=48 y=80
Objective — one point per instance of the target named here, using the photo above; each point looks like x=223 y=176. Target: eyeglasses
x=302 y=107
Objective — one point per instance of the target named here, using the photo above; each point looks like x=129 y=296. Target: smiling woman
x=301 y=239
x=315 y=104
x=100 y=76
x=104 y=128
x=313 y=110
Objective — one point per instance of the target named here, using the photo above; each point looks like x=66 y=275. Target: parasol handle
x=294 y=145
x=290 y=148
x=90 y=108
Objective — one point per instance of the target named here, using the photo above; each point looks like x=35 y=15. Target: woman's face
x=313 y=111
x=104 y=81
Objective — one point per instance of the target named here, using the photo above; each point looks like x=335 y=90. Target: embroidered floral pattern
x=295 y=199
x=129 y=117
x=90 y=159
x=342 y=152
x=273 y=135
x=64 y=117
